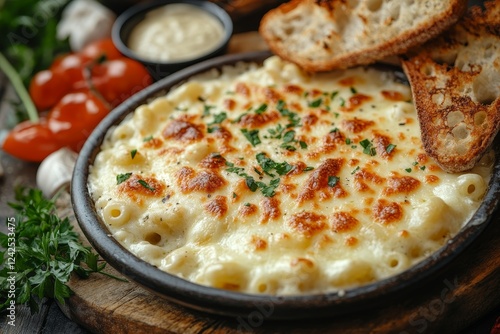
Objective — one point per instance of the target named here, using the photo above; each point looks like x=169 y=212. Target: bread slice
x=322 y=35
x=455 y=81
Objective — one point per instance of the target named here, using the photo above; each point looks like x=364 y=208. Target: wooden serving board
x=467 y=290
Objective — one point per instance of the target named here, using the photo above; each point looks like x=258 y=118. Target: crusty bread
x=321 y=35
x=455 y=81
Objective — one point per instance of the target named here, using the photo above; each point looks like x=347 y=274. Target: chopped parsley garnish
x=333 y=94
x=252 y=136
x=146 y=185
x=334 y=130
x=269 y=190
x=120 y=178
x=237 y=170
x=268 y=165
x=218 y=118
x=234 y=195
x=333 y=180
x=247 y=204
x=308 y=168
x=289 y=137
x=414 y=163
x=293 y=118
x=148 y=138
x=206 y=110
x=353 y=90
x=239 y=118
x=342 y=102
x=355 y=170
x=408 y=170
x=262 y=108
x=289 y=141
x=368 y=147
x=390 y=148
x=133 y=153
x=422 y=168
x=277 y=132
x=315 y=103
x=348 y=141
x=251 y=184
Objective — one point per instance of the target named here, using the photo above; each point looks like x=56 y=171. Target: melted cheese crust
x=267 y=179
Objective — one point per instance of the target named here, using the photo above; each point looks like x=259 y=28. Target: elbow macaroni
x=270 y=180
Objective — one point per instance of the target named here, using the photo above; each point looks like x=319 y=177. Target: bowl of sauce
x=167 y=35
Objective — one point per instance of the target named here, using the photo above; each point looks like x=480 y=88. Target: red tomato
x=47 y=88
x=116 y=80
x=98 y=48
x=71 y=66
x=31 y=141
x=74 y=117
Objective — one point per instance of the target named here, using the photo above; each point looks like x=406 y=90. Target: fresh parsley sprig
x=46 y=250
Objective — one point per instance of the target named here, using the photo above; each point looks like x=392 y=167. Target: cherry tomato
x=116 y=80
x=47 y=88
x=31 y=141
x=71 y=66
x=101 y=47
x=74 y=117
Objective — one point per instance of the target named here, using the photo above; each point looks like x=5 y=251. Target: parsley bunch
x=39 y=253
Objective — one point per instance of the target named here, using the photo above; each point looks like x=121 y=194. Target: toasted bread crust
x=322 y=35
x=455 y=81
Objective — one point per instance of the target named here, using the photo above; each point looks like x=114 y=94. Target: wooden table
x=51 y=320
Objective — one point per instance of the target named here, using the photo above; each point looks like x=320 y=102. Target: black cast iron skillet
x=230 y=303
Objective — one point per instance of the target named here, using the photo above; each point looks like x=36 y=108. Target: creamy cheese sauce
x=176 y=32
x=267 y=179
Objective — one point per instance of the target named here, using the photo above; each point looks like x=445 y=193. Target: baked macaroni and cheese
x=266 y=179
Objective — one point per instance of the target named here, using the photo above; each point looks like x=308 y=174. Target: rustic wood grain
x=448 y=303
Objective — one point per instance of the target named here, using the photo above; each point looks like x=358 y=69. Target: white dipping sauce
x=176 y=32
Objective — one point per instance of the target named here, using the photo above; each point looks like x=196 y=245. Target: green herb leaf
x=251 y=184
x=262 y=108
x=146 y=185
x=315 y=103
x=390 y=148
x=368 y=147
x=333 y=180
x=270 y=190
x=218 y=118
x=120 y=178
x=48 y=251
x=252 y=136
x=289 y=137
x=133 y=153
x=206 y=110
x=293 y=118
